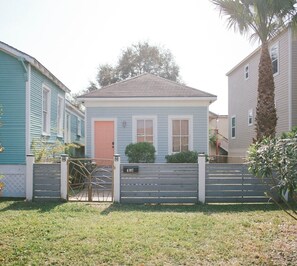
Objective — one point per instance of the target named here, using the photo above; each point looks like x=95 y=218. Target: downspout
x=27 y=75
x=290 y=77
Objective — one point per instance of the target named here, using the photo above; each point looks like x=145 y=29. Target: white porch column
x=116 y=178
x=29 y=176
x=64 y=176
x=201 y=180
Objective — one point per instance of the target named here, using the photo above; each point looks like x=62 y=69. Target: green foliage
x=141 y=152
x=276 y=159
x=47 y=152
x=182 y=157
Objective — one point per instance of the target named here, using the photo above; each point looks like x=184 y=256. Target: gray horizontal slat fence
x=46 y=181
x=227 y=183
x=160 y=183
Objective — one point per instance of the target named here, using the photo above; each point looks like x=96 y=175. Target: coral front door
x=104 y=139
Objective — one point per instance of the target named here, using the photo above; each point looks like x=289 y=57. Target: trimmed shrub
x=141 y=152
x=183 y=157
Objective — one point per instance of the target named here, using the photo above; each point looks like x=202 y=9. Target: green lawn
x=104 y=234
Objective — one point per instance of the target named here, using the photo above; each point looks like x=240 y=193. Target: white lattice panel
x=14 y=180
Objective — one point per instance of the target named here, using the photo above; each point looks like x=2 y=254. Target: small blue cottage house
x=171 y=116
x=33 y=103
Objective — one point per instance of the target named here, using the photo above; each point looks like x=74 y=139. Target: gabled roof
x=31 y=60
x=147 y=86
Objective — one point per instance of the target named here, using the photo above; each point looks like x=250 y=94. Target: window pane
x=185 y=127
x=175 y=127
x=149 y=127
x=176 y=144
x=44 y=125
x=149 y=139
x=233 y=121
x=184 y=143
x=233 y=132
x=140 y=127
x=274 y=66
x=140 y=139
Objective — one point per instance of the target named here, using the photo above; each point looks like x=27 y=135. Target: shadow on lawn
x=206 y=209
x=22 y=205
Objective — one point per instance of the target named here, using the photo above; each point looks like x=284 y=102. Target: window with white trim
x=233 y=127
x=46 y=103
x=274 y=54
x=250 y=117
x=145 y=129
x=60 y=113
x=180 y=130
x=246 y=72
x=78 y=127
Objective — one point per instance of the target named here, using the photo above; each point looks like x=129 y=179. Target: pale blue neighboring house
x=171 y=116
x=33 y=102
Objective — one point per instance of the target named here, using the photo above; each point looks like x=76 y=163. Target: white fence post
x=117 y=178
x=64 y=176
x=201 y=163
x=29 y=176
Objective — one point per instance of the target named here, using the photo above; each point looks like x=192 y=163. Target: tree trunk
x=266 y=118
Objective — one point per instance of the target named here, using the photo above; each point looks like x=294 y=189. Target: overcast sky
x=72 y=37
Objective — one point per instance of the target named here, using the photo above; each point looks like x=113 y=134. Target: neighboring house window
x=67 y=129
x=233 y=127
x=145 y=129
x=274 y=58
x=250 y=117
x=180 y=130
x=78 y=127
x=246 y=72
x=46 y=96
x=60 y=113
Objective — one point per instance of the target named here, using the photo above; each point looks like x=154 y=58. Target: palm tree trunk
x=266 y=118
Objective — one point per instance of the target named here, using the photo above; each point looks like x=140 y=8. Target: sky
x=71 y=38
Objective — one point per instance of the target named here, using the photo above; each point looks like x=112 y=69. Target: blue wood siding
x=13 y=101
x=37 y=81
x=124 y=135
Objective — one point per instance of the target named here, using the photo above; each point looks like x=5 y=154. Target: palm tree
x=261 y=20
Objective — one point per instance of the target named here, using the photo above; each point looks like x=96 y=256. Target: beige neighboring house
x=242 y=89
x=218 y=130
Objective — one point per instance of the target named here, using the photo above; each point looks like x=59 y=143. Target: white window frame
x=250 y=117
x=155 y=129
x=180 y=117
x=60 y=115
x=246 y=72
x=78 y=131
x=275 y=46
x=47 y=130
x=233 y=117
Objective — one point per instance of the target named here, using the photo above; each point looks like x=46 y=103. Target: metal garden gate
x=90 y=180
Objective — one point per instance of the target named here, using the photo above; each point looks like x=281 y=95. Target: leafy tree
x=276 y=159
x=137 y=59
x=261 y=20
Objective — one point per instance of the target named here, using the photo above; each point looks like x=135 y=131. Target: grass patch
x=113 y=234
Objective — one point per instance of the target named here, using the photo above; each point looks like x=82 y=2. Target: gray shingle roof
x=146 y=85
